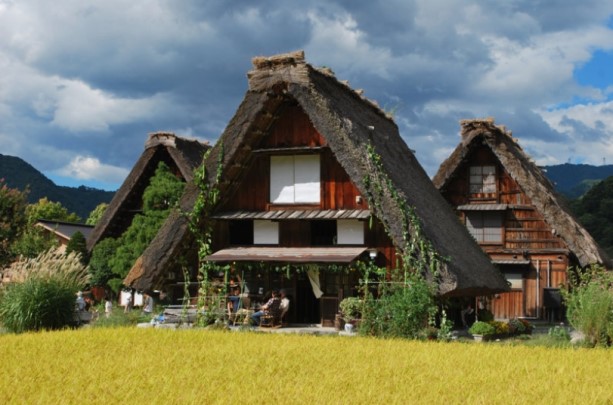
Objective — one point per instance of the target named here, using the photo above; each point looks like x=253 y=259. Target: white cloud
x=81 y=108
x=90 y=168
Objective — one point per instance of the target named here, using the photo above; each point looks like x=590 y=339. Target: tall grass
x=152 y=366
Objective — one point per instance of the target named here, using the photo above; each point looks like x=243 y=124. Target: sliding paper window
x=295 y=179
x=485 y=226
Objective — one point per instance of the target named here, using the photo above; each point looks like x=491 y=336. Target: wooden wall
x=526 y=234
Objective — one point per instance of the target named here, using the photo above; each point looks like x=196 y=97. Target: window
x=485 y=226
x=323 y=233
x=241 y=232
x=265 y=233
x=482 y=179
x=515 y=280
x=350 y=232
x=295 y=179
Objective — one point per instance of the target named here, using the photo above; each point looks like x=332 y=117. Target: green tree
x=99 y=263
x=162 y=193
x=96 y=214
x=78 y=245
x=595 y=211
x=12 y=219
x=34 y=240
x=49 y=210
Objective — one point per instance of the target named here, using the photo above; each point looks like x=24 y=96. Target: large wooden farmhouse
x=512 y=211
x=296 y=198
x=181 y=155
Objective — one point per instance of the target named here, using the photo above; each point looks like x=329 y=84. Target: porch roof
x=288 y=254
x=514 y=262
x=294 y=214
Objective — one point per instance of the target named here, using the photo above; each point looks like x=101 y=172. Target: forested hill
x=81 y=200
x=575 y=180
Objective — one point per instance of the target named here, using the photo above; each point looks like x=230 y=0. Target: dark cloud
x=92 y=79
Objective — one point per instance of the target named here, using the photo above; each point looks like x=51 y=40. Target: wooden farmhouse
x=512 y=211
x=296 y=198
x=181 y=155
x=63 y=231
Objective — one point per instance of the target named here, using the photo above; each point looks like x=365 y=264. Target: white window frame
x=485 y=226
x=265 y=232
x=482 y=179
x=349 y=232
x=295 y=179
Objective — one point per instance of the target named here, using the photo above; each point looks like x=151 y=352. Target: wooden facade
x=513 y=212
x=529 y=253
x=293 y=133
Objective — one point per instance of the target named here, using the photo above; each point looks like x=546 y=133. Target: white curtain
x=313 y=273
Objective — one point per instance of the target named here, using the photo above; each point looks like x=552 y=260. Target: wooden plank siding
x=525 y=235
x=291 y=129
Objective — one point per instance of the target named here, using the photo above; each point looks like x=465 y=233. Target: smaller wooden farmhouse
x=300 y=197
x=512 y=211
x=63 y=231
x=180 y=154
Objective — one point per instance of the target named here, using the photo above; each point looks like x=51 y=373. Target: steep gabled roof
x=65 y=230
x=185 y=154
x=348 y=122
x=531 y=180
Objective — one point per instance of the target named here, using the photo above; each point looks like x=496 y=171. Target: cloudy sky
x=83 y=82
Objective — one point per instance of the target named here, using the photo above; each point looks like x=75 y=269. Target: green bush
x=402 y=310
x=589 y=302
x=37 y=303
x=42 y=292
x=351 y=308
x=482 y=328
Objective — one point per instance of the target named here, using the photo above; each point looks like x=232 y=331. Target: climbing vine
x=201 y=226
x=417 y=253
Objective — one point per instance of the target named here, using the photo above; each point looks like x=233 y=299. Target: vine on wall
x=201 y=226
x=417 y=253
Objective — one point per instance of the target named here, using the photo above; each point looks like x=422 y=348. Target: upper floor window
x=485 y=226
x=295 y=179
x=482 y=179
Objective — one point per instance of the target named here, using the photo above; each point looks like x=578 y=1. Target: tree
x=12 y=219
x=49 y=210
x=99 y=263
x=595 y=212
x=78 y=245
x=113 y=259
x=33 y=240
x=96 y=214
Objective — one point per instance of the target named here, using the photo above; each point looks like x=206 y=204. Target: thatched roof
x=531 y=180
x=348 y=122
x=184 y=154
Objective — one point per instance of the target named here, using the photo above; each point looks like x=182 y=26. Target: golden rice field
x=147 y=366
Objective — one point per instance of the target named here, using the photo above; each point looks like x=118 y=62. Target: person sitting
x=272 y=308
x=284 y=307
x=233 y=301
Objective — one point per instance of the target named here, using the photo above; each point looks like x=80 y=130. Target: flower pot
x=348 y=328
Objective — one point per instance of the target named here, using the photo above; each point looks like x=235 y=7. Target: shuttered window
x=482 y=179
x=485 y=226
x=295 y=179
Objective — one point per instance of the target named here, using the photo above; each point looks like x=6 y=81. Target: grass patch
x=196 y=366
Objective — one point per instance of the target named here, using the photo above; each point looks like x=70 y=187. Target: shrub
x=501 y=328
x=37 y=303
x=481 y=328
x=401 y=310
x=589 y=301
x=41 y=294
x=351 y=308
x=516 y=326
x=559 y=333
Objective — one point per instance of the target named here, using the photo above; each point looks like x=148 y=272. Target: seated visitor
x=233 y=300
x=272 y=307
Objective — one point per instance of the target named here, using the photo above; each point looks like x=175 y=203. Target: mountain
x=575 y=180
x=81 y=200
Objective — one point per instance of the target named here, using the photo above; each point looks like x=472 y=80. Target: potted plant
x=351 y=311
x=481 y=329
